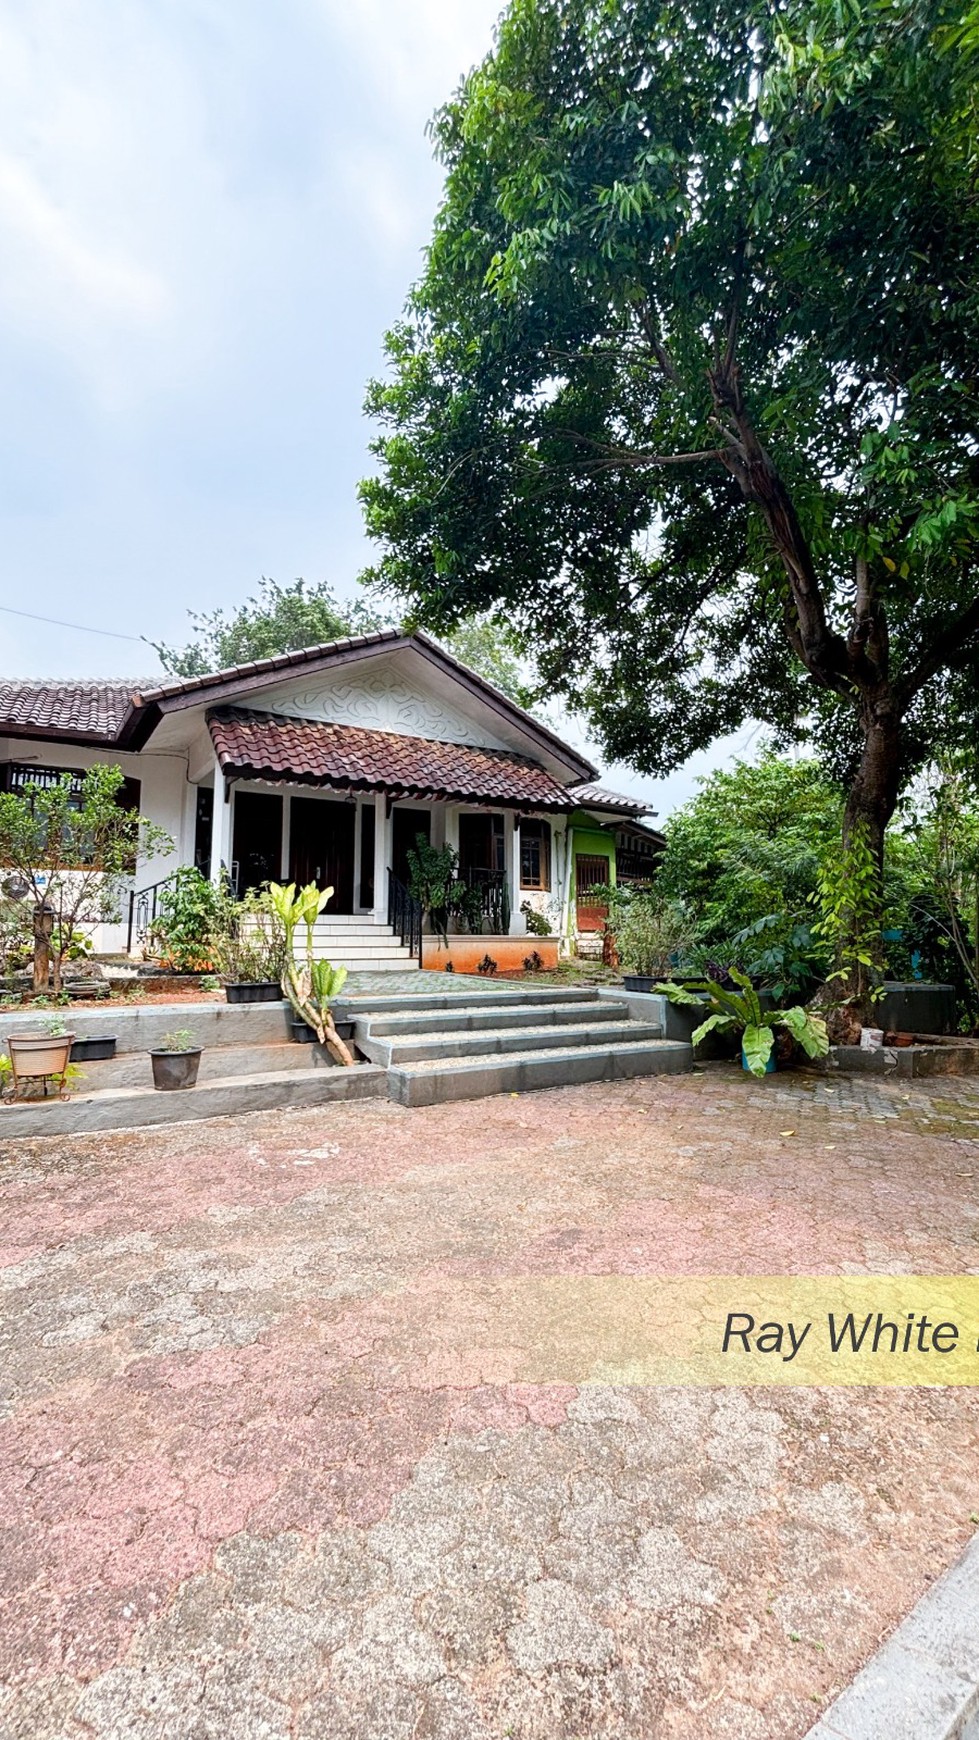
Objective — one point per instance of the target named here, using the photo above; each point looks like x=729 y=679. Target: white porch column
x=286 y=836
x=220 y=825
x=518 y=924
x=382 y=825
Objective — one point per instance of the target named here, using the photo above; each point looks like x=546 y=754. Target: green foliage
x=309 y=984
x=739 y=1010
x=687 y=391
x=16 y=935
x=74 y=851
x=492 y=649
x=434 y=881
x=538 y=923
x=848 y=899
x=652 y=935
x=191 y=913
x=248 y=943
x=942 y=842
x=181 y=1039
x=283 y=619
x=280 y=619
x=749 y=845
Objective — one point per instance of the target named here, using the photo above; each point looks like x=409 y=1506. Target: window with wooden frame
x=535 y=854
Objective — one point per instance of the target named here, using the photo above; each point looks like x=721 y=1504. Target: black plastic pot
x=91 y=1050
x=254 y=991
x=303 y=1034
x=639 y=982
x=175 y=1069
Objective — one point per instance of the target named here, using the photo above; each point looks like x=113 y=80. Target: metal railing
x=494 y=889
x=143 y=906
x=405 y=916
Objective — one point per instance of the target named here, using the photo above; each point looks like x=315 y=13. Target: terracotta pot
x=37 y=1054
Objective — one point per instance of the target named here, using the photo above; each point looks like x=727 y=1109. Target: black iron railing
x=494 y=890
x=143 y=905
x=405 y=915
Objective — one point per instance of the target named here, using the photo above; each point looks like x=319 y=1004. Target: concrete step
x=476 y=1017
x=466 y=993
x=350 y=921
x=128 y=1108
x=365 y=948
x=493 y=1041
x=133 y=1068
x=434 y=1082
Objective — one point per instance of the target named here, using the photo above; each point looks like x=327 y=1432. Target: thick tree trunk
x=870 y=804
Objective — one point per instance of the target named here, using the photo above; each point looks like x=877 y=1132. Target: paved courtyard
x=263 y=1477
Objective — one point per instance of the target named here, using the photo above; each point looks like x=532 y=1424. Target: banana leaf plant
x=741 y=1010
x=310 y=985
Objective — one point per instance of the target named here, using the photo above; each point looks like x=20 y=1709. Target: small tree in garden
x=70 y=849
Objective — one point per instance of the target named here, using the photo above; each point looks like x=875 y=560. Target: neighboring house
x=325 y=765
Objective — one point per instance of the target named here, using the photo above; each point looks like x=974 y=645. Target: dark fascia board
x=268 y=673
x=50 y=734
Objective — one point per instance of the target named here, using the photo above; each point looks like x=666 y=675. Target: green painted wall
x=596 y=843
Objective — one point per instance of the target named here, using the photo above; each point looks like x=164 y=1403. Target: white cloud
x=48 y=250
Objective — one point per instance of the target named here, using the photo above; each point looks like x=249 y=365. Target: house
x=326 y=765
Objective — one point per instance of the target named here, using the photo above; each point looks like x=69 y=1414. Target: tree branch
x=949 y=647
x=823 y=653
x=615 y=455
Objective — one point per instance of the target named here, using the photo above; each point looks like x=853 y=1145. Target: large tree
x=688 y=389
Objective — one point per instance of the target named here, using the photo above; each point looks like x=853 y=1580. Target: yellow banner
x=737 y=1330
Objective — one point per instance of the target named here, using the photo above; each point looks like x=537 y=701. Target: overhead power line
x=79 y=627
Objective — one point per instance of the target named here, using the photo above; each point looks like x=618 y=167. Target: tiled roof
x=66 y=708
x=310 y=752
x=289 y=661
x=600 y=798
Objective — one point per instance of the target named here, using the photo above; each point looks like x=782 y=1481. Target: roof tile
x=254 y=745
x=63 y=708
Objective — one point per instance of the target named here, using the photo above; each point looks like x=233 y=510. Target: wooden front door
x=590 y=869
x=406 y=825
x=321 y=848
x=256 y=853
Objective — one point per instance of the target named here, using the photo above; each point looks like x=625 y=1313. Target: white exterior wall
x=166 y=799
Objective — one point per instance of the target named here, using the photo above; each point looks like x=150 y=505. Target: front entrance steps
x=422 y=1049
x=362 y=944
x=455 y=1048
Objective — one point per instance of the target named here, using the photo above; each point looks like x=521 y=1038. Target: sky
x=210 y=212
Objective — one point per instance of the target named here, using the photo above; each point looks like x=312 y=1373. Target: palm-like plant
x=310 y=985
x=741 y=1009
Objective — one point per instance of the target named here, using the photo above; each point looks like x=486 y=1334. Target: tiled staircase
x=361 y=944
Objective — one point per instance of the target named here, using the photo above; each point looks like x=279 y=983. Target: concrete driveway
x=264 y=1475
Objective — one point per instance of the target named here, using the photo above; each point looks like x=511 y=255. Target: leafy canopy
x=687 y=390
x=283 y=619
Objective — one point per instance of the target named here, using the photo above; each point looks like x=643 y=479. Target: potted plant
x=650 y=934
x=176 y=1061
x=311 y=985
x=249 y=949
x=38 y=1055
x=740 y=1011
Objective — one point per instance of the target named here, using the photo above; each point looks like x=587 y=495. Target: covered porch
x=312 y=801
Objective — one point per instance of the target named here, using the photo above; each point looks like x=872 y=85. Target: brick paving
x=254 y=1485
